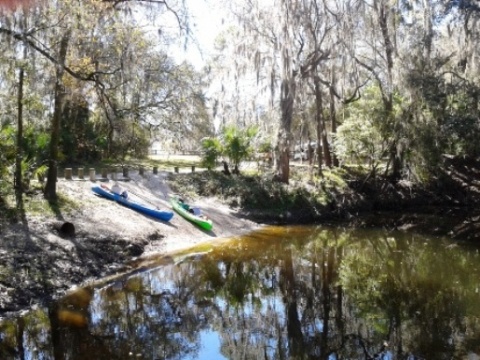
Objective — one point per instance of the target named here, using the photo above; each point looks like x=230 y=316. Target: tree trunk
x=109 y=111
x=20 y=338
x=327 y=155
x=320 y=123
x=51 y=185
x=395 y=155
x=333 y=116
x=284 y=132
x=18 y=178
x=18 y=182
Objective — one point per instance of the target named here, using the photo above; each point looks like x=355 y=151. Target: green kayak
x=191 y=214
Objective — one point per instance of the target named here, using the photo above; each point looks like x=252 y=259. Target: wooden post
x=81 y=174
x=141 y=170
x=114 y=173
x=125 y=172
x=92 y=174
x=193 y=168
x=68 y=173
x=104 y=173
x=155 y=170
x=176 y=169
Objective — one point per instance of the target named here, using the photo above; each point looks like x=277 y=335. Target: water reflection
x=282 y=293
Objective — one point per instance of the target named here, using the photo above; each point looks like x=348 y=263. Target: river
x=279 y=293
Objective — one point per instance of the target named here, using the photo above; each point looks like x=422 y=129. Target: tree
x=268 y=36
x=359 y=138
x=91 y=69
x=211 y=151
x=50 y=186
x=18 y=178
x=237 y=145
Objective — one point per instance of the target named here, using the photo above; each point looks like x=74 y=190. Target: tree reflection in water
x=281 y=293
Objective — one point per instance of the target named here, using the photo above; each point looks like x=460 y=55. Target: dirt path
x=36 y=263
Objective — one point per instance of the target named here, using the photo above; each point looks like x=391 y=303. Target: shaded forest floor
x=38 y=262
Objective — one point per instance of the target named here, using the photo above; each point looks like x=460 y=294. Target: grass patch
x=37 y=205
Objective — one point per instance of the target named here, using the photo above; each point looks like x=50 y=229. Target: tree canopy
x=392 y=85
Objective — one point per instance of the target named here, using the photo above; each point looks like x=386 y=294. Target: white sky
x=206 y=23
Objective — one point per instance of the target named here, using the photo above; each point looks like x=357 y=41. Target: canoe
x=141 y=208
x=199 y=220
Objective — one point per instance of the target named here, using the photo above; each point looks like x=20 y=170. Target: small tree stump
x=92 y=174
x=64 y=228
x=155 y=170
x=81 y=173
x=193 y=169
x=125 y=172
x=176 y=169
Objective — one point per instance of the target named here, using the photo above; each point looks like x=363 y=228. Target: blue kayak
x=147 y=210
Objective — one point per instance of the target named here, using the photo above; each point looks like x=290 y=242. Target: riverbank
x=40 y=263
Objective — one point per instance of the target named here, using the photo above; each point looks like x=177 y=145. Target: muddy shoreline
x=38 y=263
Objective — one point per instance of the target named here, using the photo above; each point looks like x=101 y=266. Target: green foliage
x=237 y=144
x=131 y=140
x=270 y=200
x=265 y=147
x=7 y=150
x=360 y=138
x=444 y=116
x=79 y=139
x=460 y=123
x=36 y=145
x=36 y=204
x=211 y=151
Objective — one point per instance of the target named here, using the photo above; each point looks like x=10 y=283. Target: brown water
x=281 y=293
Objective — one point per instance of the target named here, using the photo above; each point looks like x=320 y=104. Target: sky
x=206 y=22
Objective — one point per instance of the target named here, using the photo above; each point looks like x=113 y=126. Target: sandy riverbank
x=101 y=217
x=38 y=263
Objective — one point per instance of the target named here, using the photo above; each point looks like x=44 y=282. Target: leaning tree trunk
x=51 y=185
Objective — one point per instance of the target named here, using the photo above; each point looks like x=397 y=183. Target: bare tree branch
x=115 y=3
x=29 y=41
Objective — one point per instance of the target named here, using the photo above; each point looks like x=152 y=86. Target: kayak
x=141 y=208
x=198 y=219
